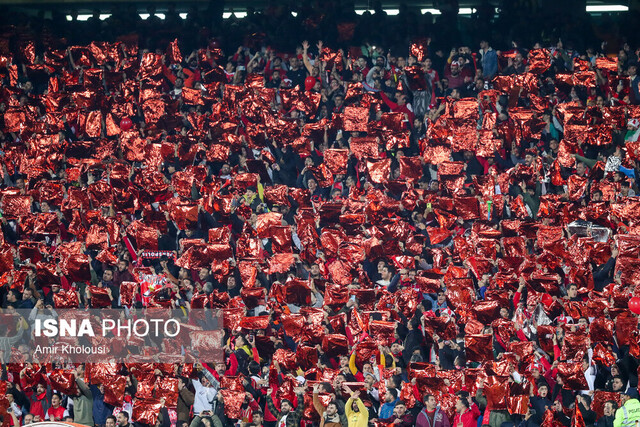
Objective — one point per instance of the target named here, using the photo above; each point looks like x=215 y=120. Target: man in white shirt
x=206 y=389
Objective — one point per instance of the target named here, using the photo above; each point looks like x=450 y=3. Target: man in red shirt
x=400 y=107
x=466 y=416
x=56 y=412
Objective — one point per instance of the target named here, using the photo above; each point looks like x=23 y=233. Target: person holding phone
x=206 y=389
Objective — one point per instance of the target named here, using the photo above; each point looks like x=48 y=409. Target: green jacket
x=628 y=414
x=532 y=201
x=83 y=405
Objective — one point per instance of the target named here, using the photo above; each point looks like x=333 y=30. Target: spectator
x=608 y=414
x=357 y=414
x=629 y=412
x=83 y=401
x=286 y=417
x=489 y=60
x=273 y=206
x=465 y=415
x=431 y=415
x=390 y=402
x=329 y=416
x=56 y=412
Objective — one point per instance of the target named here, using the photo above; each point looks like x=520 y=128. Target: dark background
x=452 y=22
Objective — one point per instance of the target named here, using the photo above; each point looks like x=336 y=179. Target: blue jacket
x=101 y=410
x=386 y=410
x=489 y=63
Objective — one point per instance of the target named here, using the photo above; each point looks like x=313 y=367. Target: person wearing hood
x=629 y=413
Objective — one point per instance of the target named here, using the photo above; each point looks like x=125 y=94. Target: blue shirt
x=489 y=64
x=386 y=410
x=101 y=410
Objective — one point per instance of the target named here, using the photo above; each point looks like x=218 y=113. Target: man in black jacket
x=286 y=414
x=540 y=402
x=584 y=403
x=609 y=412
x=163 y=418
x=602 y=275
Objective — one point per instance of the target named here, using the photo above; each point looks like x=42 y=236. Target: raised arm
x=305 y=56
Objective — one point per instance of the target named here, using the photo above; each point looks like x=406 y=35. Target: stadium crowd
x=407 y=237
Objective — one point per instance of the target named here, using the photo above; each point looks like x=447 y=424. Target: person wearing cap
x=454 y=74
x=629 y=413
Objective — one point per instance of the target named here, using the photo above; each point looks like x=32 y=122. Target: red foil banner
x=518 y=405
x=478 y=348
x=66 y=299
x=379 y=170
x=336 y=160
x=16 y=206
x=355 y=119
x=114 y=387
x=496 y=390
x=600 y=398
x=609 y=64
x=364 y=147
x=233 y=401
x=173 y=52
x=64 y=381
x=99 y=297
x=539 y=61
x=572 y=376
x=146 y=411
